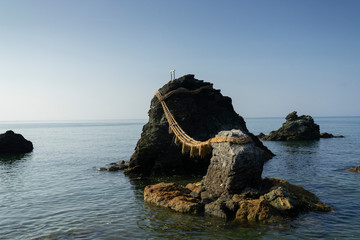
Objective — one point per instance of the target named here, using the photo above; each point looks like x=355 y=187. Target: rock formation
x=355 y=169
x=295 y=128
x=233 y=188
x=202 y=114
x=13 y=143
x=329 y=135
x=274 y=200
x=234 y=167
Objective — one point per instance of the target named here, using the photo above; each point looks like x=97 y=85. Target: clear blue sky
x=79 y=60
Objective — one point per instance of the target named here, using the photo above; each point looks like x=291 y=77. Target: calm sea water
x=56 y=192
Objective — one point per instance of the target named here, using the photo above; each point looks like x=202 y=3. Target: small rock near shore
x=355 y=169
x=14 y=143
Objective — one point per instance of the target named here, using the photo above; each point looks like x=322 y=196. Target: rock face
x=13 y=143
x=295 y=128
x=201 y=114
x=234 y=167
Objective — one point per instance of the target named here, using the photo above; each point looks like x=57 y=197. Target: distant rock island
x=14 y=143
x=296 y=128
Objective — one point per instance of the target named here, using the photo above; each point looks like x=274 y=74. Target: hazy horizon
x=102 y=60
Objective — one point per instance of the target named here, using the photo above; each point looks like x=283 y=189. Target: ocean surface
x=56 y=192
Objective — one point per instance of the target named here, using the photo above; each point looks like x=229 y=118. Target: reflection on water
x=300 y=145
x=11 y=158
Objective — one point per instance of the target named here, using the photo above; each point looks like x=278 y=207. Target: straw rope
x=196 y=148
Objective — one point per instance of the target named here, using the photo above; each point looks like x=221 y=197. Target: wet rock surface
x=295 y=128
x=173 y=196
x=355 y=169
x=233 y=188
x=201 y=114
x=14 y=143
x=276 y=200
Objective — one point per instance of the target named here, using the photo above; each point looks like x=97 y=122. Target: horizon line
x=142 y=119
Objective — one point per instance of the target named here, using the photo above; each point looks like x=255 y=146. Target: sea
x=57 y=192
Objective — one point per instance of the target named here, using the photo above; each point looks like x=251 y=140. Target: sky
x=104 y=59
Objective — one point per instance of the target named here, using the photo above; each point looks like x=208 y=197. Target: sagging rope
x=196 y=148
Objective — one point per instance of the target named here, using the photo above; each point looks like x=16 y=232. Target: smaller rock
x=257 y=210
x=113 y=168
x=326 y=135
x=299 y=198
x=121 y=162
x=223 y=207
x=14 y=143
x=194 y=187
x=294 y=129
x=329 y=135
x=355 y=169
x=123 y=166
x=173 y=196
x=283 y=200
x=102 y=169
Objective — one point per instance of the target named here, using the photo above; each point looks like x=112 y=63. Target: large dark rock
x=201 y=115
x=13 y=143
x=295 y=128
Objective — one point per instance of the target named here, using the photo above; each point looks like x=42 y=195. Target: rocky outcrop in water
x=295 y=128
x=14 y=143
x=329 y=135
x=234 y=167
x=355 y=169
x=274 y=200
x=201 y=114
x=233 y=188
x=173 y=196
x=115 y=166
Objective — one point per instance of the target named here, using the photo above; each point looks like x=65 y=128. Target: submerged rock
x=173 y=196
x=13 y=143
x=115 y=166
x=329 y=135
x=355 y=169
x=201 y=114
x=295 y=128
